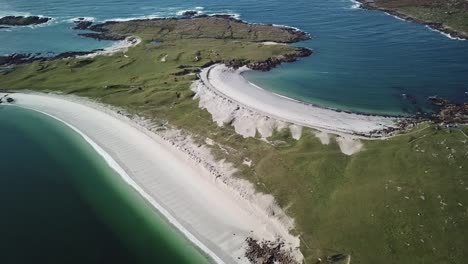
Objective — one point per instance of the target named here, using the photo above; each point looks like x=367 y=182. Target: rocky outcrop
x=267 y=252
x=270 y=63
x=273 y=62
x=101 y=32
x=450 y=113
x=189 y=13
x=22 y=58
x=82 y=24
x=103 y=36
x=6 y=98
x=23 y=20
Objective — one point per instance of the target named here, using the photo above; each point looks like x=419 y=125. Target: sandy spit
x=197 y=194
x=119 y=47
x=231 y=99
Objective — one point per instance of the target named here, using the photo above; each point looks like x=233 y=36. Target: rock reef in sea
x=23 y=20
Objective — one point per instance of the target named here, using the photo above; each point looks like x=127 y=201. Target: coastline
x=230 y=98
x=216 y=215
x=438 y=27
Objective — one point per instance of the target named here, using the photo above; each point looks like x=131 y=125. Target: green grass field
x=451 y=14
x=402 y=200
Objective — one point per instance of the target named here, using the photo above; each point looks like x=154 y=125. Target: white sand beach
x=230 y=98
x=216 y=211
x=119 y=46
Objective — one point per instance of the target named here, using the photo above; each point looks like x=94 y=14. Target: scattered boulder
x=10 y=100
x=267 y=252
x=23 y=20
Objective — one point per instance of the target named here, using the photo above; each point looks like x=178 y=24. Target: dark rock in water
x=437 y=101
x=10 y=100
x=102 y=33
x=16 y=59
x=70 y=54
x=190 y=13
x=82 y=25
x=1 y=27
x=23 y=20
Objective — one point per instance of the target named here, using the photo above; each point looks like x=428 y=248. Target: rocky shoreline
x=24 y=58
x=23 y=20
x=372 y=5
x=270 y=63
x=450 y=113
x=82 y=24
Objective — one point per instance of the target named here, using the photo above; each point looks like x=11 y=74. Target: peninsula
x=450 y=17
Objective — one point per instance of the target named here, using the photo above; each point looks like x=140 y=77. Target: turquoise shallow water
x=61 y=203
x=364 y=60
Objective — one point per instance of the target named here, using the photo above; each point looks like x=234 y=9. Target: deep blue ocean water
x=364 y=60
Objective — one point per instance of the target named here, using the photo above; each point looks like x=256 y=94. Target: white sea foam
x=284 y=26
x=397 y=17
x=181 y=12
x=134 y=18
x=443 y=33
x=356 y=4
x=427 y=26
x=233 y=15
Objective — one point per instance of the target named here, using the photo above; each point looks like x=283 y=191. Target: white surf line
x=117 y=168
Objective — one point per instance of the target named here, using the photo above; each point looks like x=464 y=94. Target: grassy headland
x=402 y=200
x=447 y=16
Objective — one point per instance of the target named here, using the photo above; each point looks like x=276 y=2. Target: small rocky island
x=23 y=20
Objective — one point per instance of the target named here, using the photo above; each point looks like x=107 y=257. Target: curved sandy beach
x=229 y=91
x=204 y=209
